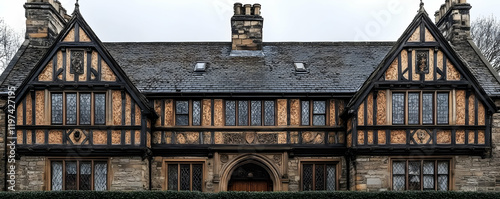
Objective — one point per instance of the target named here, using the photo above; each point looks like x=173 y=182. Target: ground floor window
x=319 y=176
x=79 y=175
x=184 y=176
x=421 y=175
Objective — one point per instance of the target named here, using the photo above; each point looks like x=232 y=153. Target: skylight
x=200 y=67
x=300 y=67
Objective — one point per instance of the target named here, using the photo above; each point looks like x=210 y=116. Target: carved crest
x=76 y=62
x=250 y=137
x=421 y=134
x=224 y=158
x=422 y=61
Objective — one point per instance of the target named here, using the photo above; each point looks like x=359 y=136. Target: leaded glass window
x=243 y=113
x=182 y=113
x=230 y=113
x=427 y=108
x=185 y=177
x=318 y=177
x=305 y=113
x=99 y=108
x=85 y=108
x=421 y=175
x=319 y=113
x=57 y=176
x=398 y=108
x=413 y=108
x=269 y=113
x=74 y=171
x=196 y=113
x=442 y=108
x=71 y=108
x=85 y=174
x=256 y=113
x=57 y=108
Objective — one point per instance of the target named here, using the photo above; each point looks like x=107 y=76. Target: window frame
x=406 y=115
x=191 y=111
x=191 y=162
x=64 y=107
x=311 y=112
x=184 y=114
x=77 y=160
x=249 y=112
x=450 y=161
x=338 y=166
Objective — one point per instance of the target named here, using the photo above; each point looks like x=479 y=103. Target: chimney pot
x=256 y=9
x=463 y=1
x=237 y=8
x=248 y=9
x=437 y=15
x=453 y=20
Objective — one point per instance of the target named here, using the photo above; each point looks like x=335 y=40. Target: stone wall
x=30 y=173
x=129 y=174
x=371 y=173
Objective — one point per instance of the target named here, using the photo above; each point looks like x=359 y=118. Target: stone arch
x=257 y=159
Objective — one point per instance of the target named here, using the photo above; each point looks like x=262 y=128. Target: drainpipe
x=348 y=166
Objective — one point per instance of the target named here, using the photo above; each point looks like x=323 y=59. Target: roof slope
x=168 y=67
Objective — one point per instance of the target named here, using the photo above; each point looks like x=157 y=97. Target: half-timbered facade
x=416 y=114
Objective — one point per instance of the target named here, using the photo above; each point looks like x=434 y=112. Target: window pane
x=320 y=177
x=413 y=108
x=429 y=168
x=243 y=113
x=319 y=107
x=307 y=177
x=182 y=113
x=305 y=112
x=427 y=108
x=197 y=177
x=71 y=108
x=100 y=108
x=172 y=177
x=398 y=108
x=57 y=108
x=443 y=183
x=100 y=176
x=85 y=174
x=269 y=113
x=428 y=182
x=442 y=167
x=414 y=175
x=256 y=115
x=398 y=168
x=398 y=182
x=330 y=178
x=185 y=177
x=230 y=113
x=85 y=109
x=70 y=176
x=57 y=176
x=196 y=113
x=319 y=120
x=442 y=108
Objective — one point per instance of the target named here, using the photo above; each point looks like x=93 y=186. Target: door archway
x=250 y=177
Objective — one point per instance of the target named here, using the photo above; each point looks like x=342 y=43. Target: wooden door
x=249 y=186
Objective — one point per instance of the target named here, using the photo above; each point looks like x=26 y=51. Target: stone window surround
x=338 y=169
x=48 y=169
x=190 y=161
x=451 y=107
x=92 y=104
x=451 y=171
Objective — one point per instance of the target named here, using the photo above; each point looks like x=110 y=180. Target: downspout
x=348 y=167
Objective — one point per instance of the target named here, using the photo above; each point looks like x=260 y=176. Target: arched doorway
x=250 y=177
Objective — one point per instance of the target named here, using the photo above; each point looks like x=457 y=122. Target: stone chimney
x=453 y=19
x=246 y=27
x=44 y=20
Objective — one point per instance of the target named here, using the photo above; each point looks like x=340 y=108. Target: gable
x=422 y=59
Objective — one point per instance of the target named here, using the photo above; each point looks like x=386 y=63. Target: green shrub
x=245 y=195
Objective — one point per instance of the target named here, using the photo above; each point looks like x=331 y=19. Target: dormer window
x=300 y=67
x=200 y=67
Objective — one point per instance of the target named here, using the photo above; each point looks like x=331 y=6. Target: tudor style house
x=416 y=114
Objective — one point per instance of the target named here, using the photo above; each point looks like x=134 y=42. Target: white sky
x=284 y=20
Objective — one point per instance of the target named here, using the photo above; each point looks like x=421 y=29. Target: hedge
x=246 y=195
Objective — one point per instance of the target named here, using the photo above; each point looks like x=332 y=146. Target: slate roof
x=168 y=67
x=333 y=67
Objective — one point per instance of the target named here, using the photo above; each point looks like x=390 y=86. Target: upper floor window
x=185 y=176
x=79 y=175
x=319 y=176
x=415 y=108
x=254 y=112
x=182 y=110
x=317 y=113
x=420 y=175
x=75 y=108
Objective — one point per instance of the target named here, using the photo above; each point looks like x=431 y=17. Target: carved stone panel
x=422 y=62
x=421 y=136
x=310 y=137
x=77 y=60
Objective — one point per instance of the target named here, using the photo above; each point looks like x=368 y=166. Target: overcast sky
x=284 y=20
